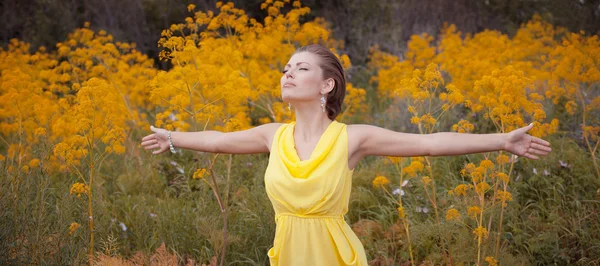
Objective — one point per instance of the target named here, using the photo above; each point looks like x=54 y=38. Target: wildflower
x=482 y=187
x=404 y=183
x=487 y=164
x=535 y=171
x=469 y=168
x=474 y=211
x=123 y=227
x=563 y=164
x=394 y=160
x=401 y=212
x=452 y=214
x=380 y=181
x=426 y=180
x=476 y=176
x=502 y=176
x=491 y=261
x=546 y=173
x=481 y=232
x=422 y=209
x=504 y=196
x=73 y=227
x=199 y=174
x=79 y=188
x=34 y=163
x=502 y=159
x=398 y=191
x=461 y=190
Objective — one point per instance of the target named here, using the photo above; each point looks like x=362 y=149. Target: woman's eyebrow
x=298 y=64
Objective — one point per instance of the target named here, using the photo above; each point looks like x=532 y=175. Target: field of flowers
x=77 y=188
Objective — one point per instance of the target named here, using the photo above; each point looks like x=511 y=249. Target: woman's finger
x=541 y=147
x=531 y=156
x=540 y=141
x=149 y=142
x=152 y=147
x=538 y=152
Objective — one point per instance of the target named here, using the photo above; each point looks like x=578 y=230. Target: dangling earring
x=323 y=103
x=289 y=106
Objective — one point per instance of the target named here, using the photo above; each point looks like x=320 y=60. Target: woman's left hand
x=522 y=144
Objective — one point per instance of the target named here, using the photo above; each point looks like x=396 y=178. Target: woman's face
x=302 y=78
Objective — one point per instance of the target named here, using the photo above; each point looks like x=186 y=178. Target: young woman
x=312 y=159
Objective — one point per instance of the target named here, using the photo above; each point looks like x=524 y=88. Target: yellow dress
x=310 y=199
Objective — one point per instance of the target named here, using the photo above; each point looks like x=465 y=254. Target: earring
x=289 y=106
x=323 y=103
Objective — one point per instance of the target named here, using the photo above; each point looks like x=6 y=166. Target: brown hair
x=332 y=68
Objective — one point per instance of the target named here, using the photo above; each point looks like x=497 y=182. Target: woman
x=312 y=159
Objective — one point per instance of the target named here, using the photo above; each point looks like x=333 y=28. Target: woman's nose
x=288 y=74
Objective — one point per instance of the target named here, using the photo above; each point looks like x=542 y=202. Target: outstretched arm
x=383 y=142
x=253 y=140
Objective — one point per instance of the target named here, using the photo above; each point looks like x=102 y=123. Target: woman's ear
x=328 y=86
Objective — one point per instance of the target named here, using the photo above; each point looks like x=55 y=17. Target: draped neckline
x=287 y=147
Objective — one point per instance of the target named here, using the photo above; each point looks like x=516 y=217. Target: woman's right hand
x=158 y=141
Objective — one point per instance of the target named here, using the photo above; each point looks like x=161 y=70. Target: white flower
x=546 y=172
x=152 y=215
x=398 y=191
x=123 y=226
x=404 y=183
x=535 y=171
x=422 y=209
x=179 y=168
x=563 y=164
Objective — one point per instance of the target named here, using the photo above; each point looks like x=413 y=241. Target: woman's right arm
x=253 y=140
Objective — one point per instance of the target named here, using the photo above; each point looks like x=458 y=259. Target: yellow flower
x=191 y=7
x=474 y=211
x=199 y=174
x=491 y=261
x=476 y=176
x=482 y=187
x=34 y=163
x=461 y=190
x=401 y=212
x=469 y=168
x=481 y=232
x=73 y=227
x=394 y=160
x=504 y=196
x=502 y=176
x=487 y=164
x=426 y=180
x=452 y=214
x=380 y=181
x=502 y=159
x=79 y=188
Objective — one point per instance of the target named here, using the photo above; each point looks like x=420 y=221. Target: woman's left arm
x=378 y=141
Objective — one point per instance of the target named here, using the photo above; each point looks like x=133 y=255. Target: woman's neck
x=310 y=125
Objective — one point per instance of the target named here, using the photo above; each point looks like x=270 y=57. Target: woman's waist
x=309 y=216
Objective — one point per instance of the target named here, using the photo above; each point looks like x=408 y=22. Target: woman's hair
x=332 y=68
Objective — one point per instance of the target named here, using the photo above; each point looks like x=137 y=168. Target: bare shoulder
x=356 y=135
x=268 y=131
